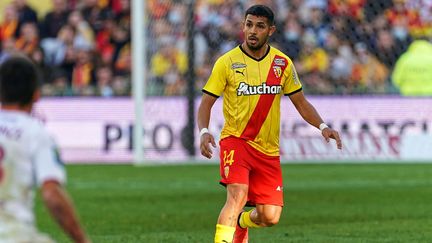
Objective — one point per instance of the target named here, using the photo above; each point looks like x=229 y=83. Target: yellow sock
x=245 y=220
x=224 y=234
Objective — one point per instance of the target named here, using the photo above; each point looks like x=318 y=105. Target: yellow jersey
x=252 y=90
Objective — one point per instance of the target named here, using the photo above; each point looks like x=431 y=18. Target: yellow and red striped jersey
x=251 y=91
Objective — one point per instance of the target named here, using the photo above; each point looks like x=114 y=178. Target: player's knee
x=269 y=219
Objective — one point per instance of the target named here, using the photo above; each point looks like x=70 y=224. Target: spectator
x=175 y=15
x=104 y=45
x=424 y=8
x=291 y=42
x=55 y=48
x=374 y=8
x=312 y=66
x=120 y=41
x=83 y=71
x=94 y=14
x=28 y=41
x=55 y=20
x=9 y=26
x=123 y=63
x=159 y=29
x=401 y=18
x=104 y=78
x=365 y=33
x=212 y=24
x=84 y=35
x=341 y=66
x=44 y=71
x=312 y=57
x=385 y=27
x=121 y=86
x=354 y=9
x=344 y=28
x=69 y=62
x=332 y=44
x=8 y=49
x=317 y=24
x=413 y=72
x=168 y=66
x=387 y=48
x=59 y=85
x=158 y=9
x=380 y=23
x=369 y=74
x=25 y=12
x=123 y=14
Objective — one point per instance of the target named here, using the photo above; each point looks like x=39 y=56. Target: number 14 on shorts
x=228 y=157
x=228 y=160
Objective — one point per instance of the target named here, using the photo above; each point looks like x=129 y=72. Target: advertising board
x=372 y=129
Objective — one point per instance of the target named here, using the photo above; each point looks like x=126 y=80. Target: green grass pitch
x=323 y=203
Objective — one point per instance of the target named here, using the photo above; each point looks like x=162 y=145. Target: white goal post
x=139 y=73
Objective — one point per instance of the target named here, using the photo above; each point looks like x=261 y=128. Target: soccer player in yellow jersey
x=252 y=79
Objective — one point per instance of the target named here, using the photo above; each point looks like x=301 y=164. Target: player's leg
x=241 y=235
x=261 y=216
x=236 y=200
x=265 y=192
x=234 y=172
x=227 y=221
x=265 y=215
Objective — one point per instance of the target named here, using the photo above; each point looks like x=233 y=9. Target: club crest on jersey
x=279 y=62
x=277 y=71
x=238 y=65
x=246 y=89
x=226 y=171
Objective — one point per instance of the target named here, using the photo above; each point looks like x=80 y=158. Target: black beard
x=255 y=48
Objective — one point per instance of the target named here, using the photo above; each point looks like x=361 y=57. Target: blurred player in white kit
x=28 y=159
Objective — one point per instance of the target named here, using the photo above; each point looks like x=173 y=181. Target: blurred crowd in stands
x=83 y=47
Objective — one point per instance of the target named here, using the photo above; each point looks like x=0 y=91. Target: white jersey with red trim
x=28 y=158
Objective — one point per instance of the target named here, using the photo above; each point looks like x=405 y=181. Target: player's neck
x=17 y=107
x=257 y=54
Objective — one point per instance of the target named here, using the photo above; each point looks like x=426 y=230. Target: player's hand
x=329 y=133
x=206 y=140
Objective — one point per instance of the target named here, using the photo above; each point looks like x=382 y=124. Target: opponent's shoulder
x=28 y=128
x=32 y=123
x=35 y=129
x=18 y=119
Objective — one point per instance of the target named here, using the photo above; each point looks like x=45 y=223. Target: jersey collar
x=265 y=55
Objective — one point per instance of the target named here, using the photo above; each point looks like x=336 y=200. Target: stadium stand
x=83 y=47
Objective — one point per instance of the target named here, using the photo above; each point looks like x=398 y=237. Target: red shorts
x=243 y=164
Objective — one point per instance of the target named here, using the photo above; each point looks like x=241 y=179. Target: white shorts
x=14 y=232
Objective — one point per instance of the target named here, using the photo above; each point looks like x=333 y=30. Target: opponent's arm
x=61 y=208
x=204 y=112
x=310 y=115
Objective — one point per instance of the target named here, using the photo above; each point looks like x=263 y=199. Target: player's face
x=257 y=30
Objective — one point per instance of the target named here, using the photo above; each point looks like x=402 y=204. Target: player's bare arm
x=310 y=115
x=60 y=207
x=204 y=112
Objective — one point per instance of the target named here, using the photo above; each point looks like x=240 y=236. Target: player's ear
x=272 y=30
